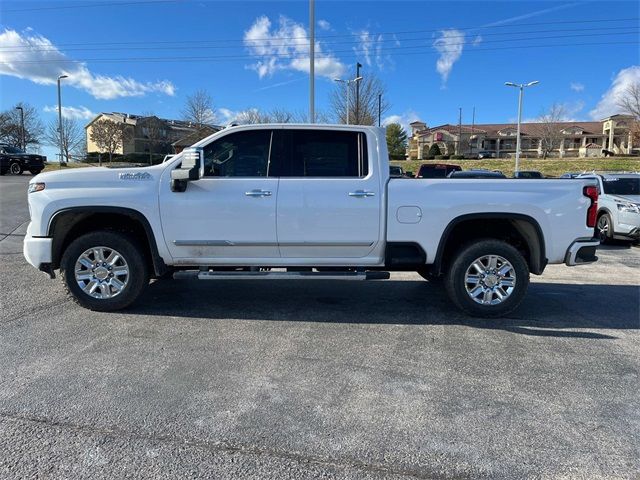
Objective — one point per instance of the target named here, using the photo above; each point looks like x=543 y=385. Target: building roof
x=529 y=128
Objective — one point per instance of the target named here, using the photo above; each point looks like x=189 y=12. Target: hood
x=99 y=176
x=627 y=198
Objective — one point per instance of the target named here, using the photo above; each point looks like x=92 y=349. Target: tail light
x=592 y=212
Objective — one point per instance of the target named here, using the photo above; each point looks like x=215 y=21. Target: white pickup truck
x=306 y=202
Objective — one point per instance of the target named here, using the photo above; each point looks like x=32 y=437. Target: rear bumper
x=582 y=252
x=37 y=250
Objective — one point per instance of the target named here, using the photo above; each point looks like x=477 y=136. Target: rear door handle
x=258 y=193
x=362 y=193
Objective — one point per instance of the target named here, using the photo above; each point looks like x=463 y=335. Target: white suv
x=618 y=205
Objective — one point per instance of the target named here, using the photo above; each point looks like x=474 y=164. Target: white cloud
x=369 y=48
x=477 y=41
x=76 y=113
x=324 y=25
x=449 y=45
x=403 y=119
x=608 y=104
x=33 y=57
x=287 y=48
x=576 y=86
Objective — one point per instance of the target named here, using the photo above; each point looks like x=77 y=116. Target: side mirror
x=192 y=168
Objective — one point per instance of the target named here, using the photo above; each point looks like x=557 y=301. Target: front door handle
x=361 y=193
x=258 y=193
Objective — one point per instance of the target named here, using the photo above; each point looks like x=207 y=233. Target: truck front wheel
x=104 y=270
x=487 y=278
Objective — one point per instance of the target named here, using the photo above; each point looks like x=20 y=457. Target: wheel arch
x=68 y=223
x=523 y=230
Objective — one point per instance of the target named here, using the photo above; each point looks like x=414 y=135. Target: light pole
x=60 y=117
x=22 y=145
x=348 y=85
x=521 y=86
x=312 y=54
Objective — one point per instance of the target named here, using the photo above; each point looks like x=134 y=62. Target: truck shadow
x=548 y=309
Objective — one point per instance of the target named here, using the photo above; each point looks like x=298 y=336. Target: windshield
x=621 y=186
x=12 y=150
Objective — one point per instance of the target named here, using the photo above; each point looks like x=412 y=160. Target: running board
x=199 y=275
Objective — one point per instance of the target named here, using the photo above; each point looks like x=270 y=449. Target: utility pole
x=60 y=119
x=459 y=131
x=312 y=60
x=379 y=107
x=521 y=87
x=358 y=67
x=473 y=129
x=23 y=145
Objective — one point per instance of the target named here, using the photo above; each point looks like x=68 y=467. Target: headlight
x=36 y=187
x=628 y=207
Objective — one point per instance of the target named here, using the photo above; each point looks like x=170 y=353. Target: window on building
x=241 y=154
x=326 y=153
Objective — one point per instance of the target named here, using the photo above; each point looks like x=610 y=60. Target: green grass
x=550 y=167
x=52 y=167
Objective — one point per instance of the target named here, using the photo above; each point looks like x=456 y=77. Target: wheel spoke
x=98 y=254
x=116 y=284
x=85 y=262
x=493 y=262
x=507 y=282
x=112 y=258
x=480 y=268
x=120 y=271
x=83 y=275
x=104 y=290
x=475 y=279
x=506 y=268
x=91 y=287
x=476 y=291
x=500 y=293
x=488 y=296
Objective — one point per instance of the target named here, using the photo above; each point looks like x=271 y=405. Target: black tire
x=15 y=168
x=35 y=171
x=129 y=250
x=604 y=228
x=457 y=287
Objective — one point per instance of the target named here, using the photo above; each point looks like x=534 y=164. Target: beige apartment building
x=569 y=139
x=150 y=134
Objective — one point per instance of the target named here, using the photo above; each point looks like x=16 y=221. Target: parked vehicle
x=477 y=174
x=529 y=174
x=618 y=205
x=485 y=154
x=437 y=170
x=396 y=171
x=570 y=175
x=315 y=200
x=14 y=160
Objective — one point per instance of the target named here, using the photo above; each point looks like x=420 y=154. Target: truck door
x=329 y=198
x=230 y=213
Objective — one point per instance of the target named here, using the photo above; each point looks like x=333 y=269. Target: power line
x=355 y=34
x=375 y=42
x=301 y=55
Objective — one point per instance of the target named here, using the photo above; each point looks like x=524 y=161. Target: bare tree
x=367 y=113
x=154 y=130
x=11 y=127
x=72 y=137
x=109 y=136
x=549 y=128
x=199 y=109
x=630 y=104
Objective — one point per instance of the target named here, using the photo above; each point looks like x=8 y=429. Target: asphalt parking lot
x=318 y=380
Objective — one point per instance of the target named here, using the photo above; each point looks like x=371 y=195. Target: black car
x=16 y=161
x=528 y=174
x=477 y=174
x=437 y=170
x=485 y=154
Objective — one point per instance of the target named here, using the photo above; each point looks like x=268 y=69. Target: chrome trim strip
x=229 y=243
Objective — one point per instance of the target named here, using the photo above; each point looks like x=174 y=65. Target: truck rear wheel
x=15 y=168
x=104 y=270
x=487 y=278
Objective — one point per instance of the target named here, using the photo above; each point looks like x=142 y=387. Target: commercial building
x=562 y=139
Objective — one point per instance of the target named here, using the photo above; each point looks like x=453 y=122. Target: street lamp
x=348 y=85
x=22 y=143
x=521 y=86
x=60 y=116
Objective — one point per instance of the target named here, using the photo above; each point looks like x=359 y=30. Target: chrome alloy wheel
x=101 y=272
x=490 y=280
x=603 y=227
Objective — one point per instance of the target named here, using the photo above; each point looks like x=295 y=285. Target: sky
x=147 y=56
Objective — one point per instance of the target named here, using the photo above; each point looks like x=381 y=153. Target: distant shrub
x=442 y=157
x=457 y=157
x=434 y=150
